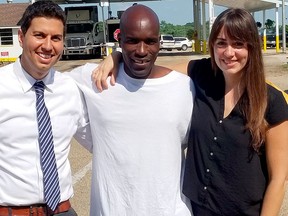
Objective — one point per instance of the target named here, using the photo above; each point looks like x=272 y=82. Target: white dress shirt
x=21 y=178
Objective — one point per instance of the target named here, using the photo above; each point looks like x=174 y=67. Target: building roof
x=10 y=13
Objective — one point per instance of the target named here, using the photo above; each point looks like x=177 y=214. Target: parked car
x=167 y=42
x=182 y=43
x=271 y=40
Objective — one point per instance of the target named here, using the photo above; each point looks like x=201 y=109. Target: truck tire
x=64 y=57
x=97 y=52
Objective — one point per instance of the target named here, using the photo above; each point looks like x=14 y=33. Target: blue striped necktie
x=48 y=161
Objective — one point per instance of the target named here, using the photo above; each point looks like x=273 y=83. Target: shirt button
x=211 y=153
x=215 y=138
x=205 y=188
x=220 y=121
x=207 y=170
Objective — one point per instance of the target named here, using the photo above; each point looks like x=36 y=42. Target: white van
x=167 y=42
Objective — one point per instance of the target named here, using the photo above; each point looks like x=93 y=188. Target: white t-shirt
x=139 y=129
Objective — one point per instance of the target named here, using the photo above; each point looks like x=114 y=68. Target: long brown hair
x=240 y=25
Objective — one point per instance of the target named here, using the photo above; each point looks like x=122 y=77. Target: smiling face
x=231 y=56
x=139 y=40
x=42 y=45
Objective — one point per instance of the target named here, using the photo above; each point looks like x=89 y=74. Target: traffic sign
x=116 y=33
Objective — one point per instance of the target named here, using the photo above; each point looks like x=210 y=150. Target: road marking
x=81 y=173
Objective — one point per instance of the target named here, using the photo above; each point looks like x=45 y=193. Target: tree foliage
x=186 y=30
x=269 y=24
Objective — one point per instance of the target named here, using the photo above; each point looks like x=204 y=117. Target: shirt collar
x=27 y=81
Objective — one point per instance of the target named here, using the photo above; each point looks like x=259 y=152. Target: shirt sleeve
x=84 y=137
x=82 y=76
x=83 y=134
x=277 y=108
x=199 y=67
x=76 y=73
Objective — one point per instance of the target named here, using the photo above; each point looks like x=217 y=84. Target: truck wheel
x=184 y=47
x=64 y=57
x=97 y=52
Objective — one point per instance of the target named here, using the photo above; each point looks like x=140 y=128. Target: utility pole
x=283 y=27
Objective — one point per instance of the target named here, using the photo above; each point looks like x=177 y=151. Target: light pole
x=283 y=27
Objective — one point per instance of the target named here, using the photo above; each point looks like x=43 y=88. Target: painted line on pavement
x=81 y=173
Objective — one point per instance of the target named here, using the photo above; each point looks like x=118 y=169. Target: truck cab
x=84 y=34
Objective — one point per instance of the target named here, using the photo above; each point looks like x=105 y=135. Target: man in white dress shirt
x=139 y=127
x=21 y=179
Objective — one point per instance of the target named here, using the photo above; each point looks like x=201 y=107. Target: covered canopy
x=250 y=5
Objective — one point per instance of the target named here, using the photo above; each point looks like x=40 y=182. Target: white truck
x=84 y=34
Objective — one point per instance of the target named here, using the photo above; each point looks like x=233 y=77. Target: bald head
x=139 y=15
x=139 y=40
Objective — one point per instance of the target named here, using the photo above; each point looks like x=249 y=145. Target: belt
x=34 y=210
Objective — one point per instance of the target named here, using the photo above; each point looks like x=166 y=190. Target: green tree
x=269 y=24
x=259 y=24
x=190 y=33
x=177 y=30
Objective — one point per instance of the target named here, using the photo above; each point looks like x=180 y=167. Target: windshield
x=79 y=28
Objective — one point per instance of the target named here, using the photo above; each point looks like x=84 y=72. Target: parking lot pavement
x=80 y=160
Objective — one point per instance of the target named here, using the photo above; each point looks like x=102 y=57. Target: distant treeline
x=186 y=30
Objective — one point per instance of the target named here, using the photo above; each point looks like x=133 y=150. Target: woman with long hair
x=237 y=158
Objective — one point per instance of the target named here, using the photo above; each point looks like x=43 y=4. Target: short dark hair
x=42 y=8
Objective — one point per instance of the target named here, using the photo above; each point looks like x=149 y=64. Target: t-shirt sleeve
x=277 y=108
x=198 y=68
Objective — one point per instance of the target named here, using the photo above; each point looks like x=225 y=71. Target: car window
x=167 y=37
x=180 y=39
x=271 y=37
